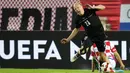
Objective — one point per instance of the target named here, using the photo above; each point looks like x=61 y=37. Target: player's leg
x=99 y=41
x=79 y=53
x=112 y=62
x=104 y=57
x=101 y=48
x=85 y=45
x=98 y=64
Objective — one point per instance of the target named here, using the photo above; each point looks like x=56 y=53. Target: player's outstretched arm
x=98 y=7
x=122 y=66
x=71 y=36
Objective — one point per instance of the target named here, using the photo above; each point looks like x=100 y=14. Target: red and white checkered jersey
x=109 y=50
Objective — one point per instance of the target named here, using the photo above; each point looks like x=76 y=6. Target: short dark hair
x=76 y=4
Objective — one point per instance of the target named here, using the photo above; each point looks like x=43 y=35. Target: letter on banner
x=22 y=49
x=38 y=50
x=53 y=52
x=11 y=47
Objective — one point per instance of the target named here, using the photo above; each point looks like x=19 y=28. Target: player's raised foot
x=75 y=58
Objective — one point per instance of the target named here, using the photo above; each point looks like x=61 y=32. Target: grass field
x=47 y=71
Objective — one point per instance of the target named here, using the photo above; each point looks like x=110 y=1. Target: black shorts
x=99 y=41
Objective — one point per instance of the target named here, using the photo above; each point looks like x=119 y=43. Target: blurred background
x=31 y=30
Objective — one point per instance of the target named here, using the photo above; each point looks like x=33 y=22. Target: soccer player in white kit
x=110 y=52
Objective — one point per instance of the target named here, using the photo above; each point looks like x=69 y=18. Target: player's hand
x=122 y=66
x=64 y=41
x=90 y=6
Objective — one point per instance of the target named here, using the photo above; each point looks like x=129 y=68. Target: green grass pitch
x=2 y=70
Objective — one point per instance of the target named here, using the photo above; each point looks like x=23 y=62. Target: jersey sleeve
x=113 y=48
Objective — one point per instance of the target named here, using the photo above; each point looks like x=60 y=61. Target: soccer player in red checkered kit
x=110 y=52
x=93 y=28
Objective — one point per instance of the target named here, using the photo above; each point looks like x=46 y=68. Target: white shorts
x=113 y=63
